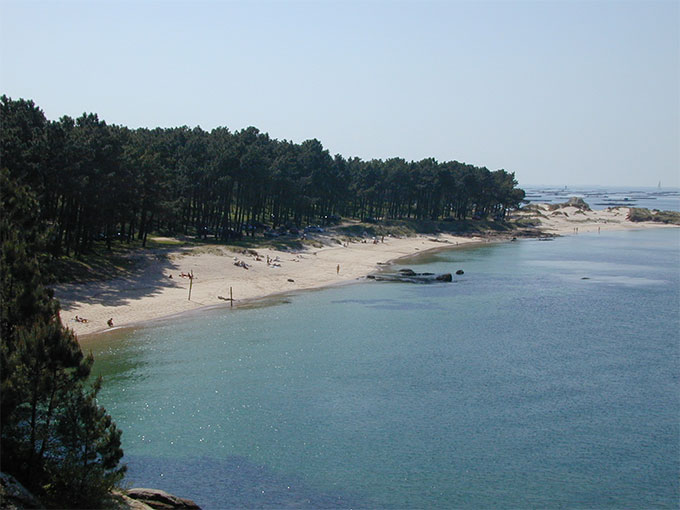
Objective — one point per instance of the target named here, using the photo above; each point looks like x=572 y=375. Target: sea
x=602 y=197
x=544 y=376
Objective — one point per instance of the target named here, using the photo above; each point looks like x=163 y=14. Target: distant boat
x=659 y=184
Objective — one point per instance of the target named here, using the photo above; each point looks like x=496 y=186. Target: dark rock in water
x=411 y=277
x=407 y=272
x=13 y=495
x=460 y=271
x=161 y=500
x=585 y=278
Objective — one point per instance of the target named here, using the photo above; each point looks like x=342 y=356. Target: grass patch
x=527 y=222
x=205 y=250
x=406 y=228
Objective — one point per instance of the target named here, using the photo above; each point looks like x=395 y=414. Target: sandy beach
x=156 y=289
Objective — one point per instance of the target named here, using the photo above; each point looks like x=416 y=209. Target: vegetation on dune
x=642 y=214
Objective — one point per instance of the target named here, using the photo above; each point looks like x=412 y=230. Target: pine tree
x=55 y=438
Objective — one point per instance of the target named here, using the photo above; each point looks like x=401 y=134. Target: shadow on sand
x=146 y=278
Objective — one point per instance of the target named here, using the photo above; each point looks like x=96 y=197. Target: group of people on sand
x=240 y=263
x=84 y=320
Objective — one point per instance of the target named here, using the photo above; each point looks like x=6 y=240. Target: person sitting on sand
x=110 y=322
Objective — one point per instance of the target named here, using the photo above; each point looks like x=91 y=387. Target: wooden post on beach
x=231 y=298
x=191 y=282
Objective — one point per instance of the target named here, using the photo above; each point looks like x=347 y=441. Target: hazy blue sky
x=558 y=92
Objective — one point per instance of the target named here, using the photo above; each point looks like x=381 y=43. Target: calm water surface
x=601 y=197
x=520 y=385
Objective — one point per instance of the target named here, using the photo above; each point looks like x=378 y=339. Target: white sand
x=565 y=220
x=149 y=292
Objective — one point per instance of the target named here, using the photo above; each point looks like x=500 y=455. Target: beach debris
x=291 y=280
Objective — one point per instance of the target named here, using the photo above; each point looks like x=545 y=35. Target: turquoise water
x=520 y=385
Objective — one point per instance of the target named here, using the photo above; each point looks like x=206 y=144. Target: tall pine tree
x=54 y=436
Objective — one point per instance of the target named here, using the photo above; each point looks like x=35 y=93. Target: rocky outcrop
x=160 y=500
x=576 y=202
x=410 y=276
x=579 y=203
x=14 y=496
x=120 y=501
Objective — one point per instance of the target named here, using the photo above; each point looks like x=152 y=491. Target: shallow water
x=520 y=385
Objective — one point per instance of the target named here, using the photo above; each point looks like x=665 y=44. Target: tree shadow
x=145 y=277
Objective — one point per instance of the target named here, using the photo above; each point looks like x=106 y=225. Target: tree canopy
x=98 y=181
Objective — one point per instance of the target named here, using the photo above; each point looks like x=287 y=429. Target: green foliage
x=96 y=182
x=90 y=442
x=46 y=405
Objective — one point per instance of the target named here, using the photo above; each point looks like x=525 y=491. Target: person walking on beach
x=337 y=269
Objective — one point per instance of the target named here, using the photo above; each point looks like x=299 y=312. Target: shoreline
x=406 y=247
x=156 y=292
x=265 y=300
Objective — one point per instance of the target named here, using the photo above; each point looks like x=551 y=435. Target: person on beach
x=110 y=322
x=337 y=269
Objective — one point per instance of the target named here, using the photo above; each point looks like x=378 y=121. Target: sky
x=559 y=92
